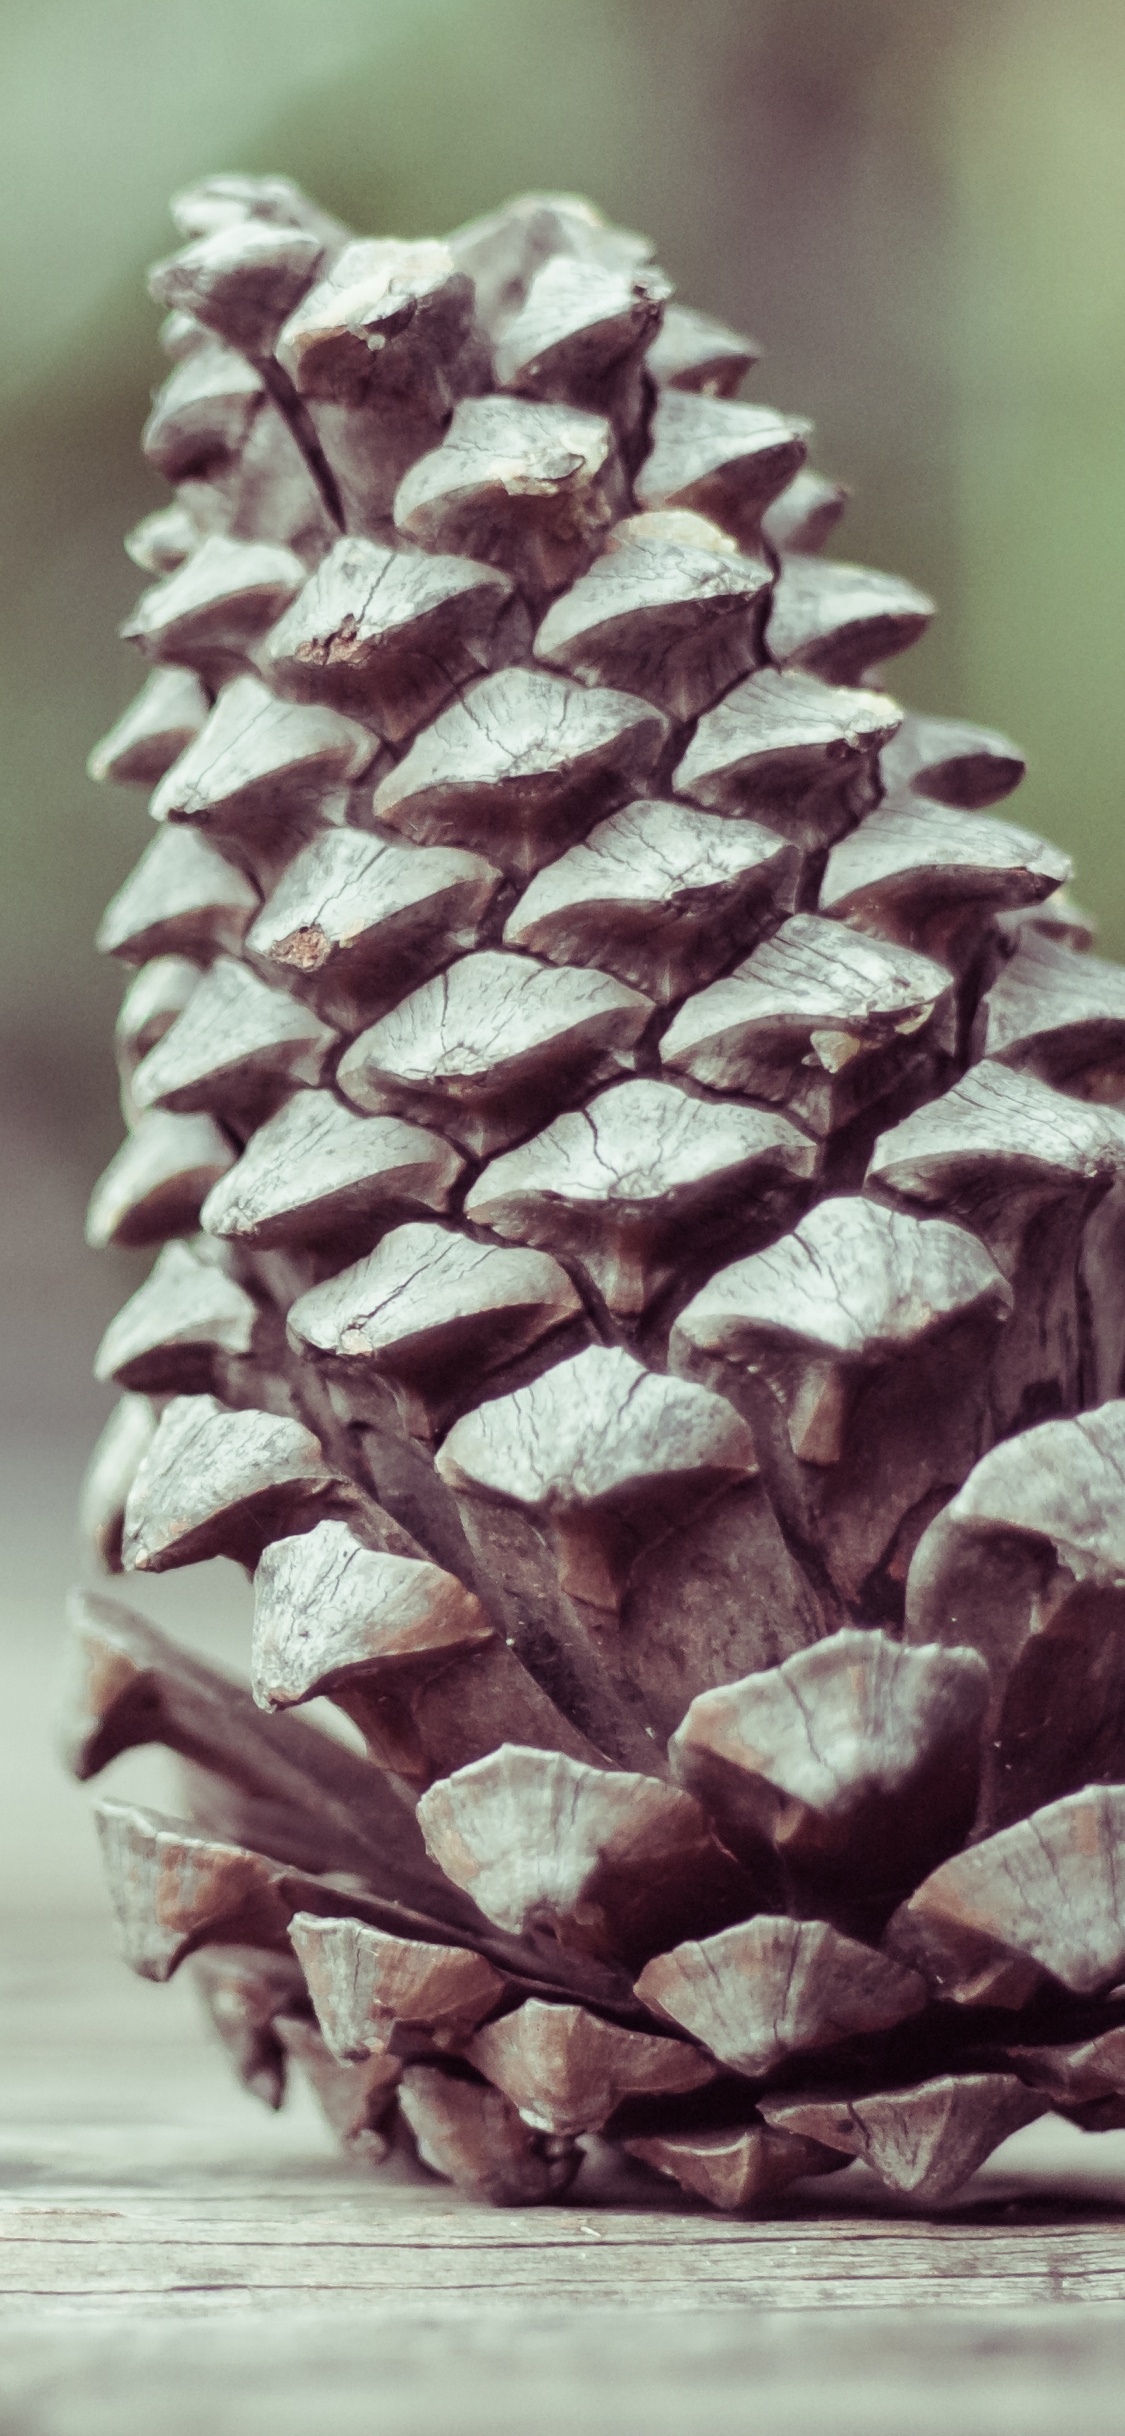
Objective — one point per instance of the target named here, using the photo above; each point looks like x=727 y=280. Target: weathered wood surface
x=173 y=2256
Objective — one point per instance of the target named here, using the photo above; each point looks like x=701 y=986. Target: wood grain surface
x=175 y=2257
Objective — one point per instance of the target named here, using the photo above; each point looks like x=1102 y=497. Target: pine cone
x=638 y=1154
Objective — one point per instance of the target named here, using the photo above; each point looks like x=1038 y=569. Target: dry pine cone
x=638 y=1155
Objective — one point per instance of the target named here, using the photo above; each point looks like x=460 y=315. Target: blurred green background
x=917 y=205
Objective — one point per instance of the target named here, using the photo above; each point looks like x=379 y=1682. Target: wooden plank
x=171 y=2255
x=656 y=2376
x=174 y=2257
x=679 y=2277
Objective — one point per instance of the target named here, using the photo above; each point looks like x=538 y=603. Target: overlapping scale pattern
x=638 y=1148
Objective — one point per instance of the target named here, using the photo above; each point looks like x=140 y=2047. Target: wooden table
x=178 y=2262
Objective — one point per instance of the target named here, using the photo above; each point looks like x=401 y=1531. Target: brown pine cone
x=638 y=1155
